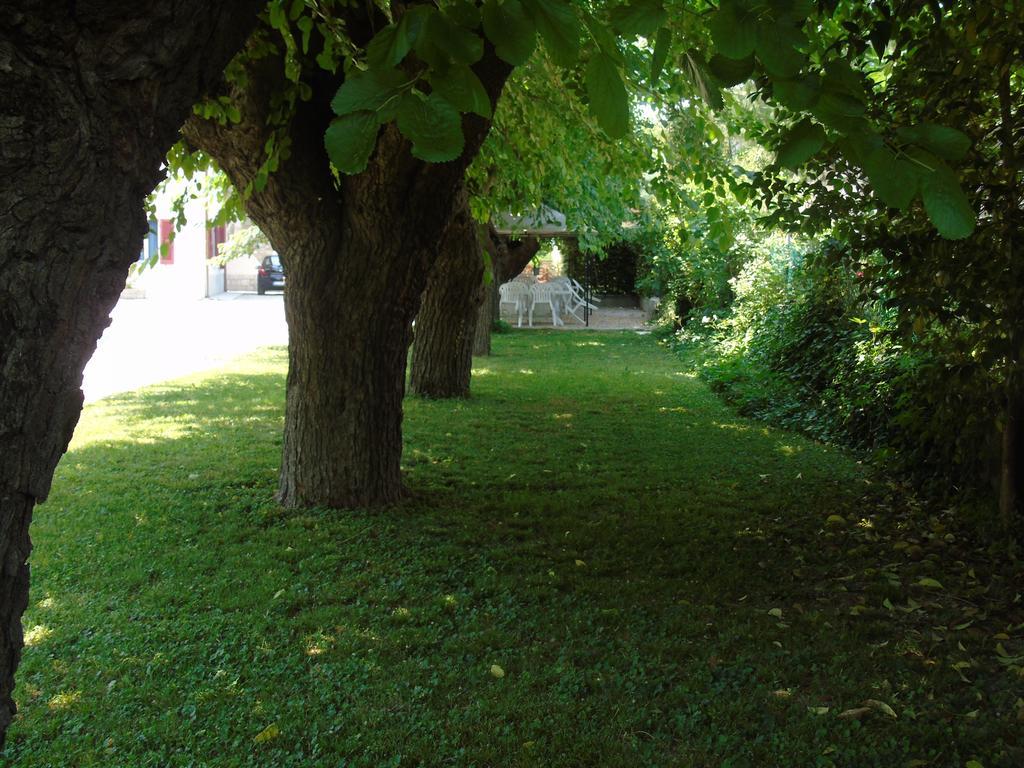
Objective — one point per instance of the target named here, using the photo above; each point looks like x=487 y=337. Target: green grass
x=656 y=577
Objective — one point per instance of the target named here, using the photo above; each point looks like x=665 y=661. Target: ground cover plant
x=600 y=564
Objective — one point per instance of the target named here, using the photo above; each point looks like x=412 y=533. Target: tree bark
x=485 y=318
x=88 y=109
x=442 y=351
x=357 y=253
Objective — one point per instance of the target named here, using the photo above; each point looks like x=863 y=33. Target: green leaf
x=776 y=48
x=433 y=126
x=367 y=90
x=305 y=25
x=349 y=141
x=801 y=144
x=605 y=39
x=792 y=11
x=733 y=29
x=880 y=35
x=558 y=26
x=930 y=583
x=638 y=17
x=464 y=13
x=441 y=41
x=948 y=143
x=662 y=44
x=799 y=93
x=269 y=733
x=389 y=46
x=840 y=77
x=510 y=30
x=946 y=204
x=892 y=178
x=840 y=104
x=463 y=89
x=608 y=100
x=731 y=72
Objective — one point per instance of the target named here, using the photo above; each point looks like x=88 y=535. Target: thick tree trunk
x=357 y=254
x=347 y=349
x=442 y=352
x=87 y=113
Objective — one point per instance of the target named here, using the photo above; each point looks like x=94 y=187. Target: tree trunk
x=442 y=352
x=507 y=261
x=487 y=314
x=87 y=113
x=346 y=373
x=357 y=253
x=1012 y=463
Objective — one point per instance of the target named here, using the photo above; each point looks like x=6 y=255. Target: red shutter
x=214 y=237
x=166 y=227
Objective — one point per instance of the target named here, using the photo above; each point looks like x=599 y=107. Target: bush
x=804 y=344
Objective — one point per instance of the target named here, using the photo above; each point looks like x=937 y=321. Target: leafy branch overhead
x=832 y=102
x=422 y=69
x=419 y=72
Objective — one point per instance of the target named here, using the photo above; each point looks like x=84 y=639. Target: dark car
x=270 y=275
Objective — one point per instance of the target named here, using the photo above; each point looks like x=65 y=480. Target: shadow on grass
x=599 y=565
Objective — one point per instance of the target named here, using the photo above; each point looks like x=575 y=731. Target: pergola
x=546 y=222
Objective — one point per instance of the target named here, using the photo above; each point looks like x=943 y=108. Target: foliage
x=657 y=579
x=418 y=71
x=545 y=148
x=805 y=345
x=246 y=241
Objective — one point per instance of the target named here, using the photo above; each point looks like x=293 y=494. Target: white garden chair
x=572 y=296
x=550 y=294
x=520 y=294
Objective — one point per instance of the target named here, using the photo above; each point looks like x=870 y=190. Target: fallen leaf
x=835 y=520
x=819 y=710
x=776 y=612
x=267 y=734
x=580 y=563
x=855 y=714
x=931 y=583
x=881 y=706
x=782 y=693
x=497 y=671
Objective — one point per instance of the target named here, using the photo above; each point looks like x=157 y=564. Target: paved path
x=611 y=319
x=150 y=341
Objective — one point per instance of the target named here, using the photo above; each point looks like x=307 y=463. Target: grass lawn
x=600 y=565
